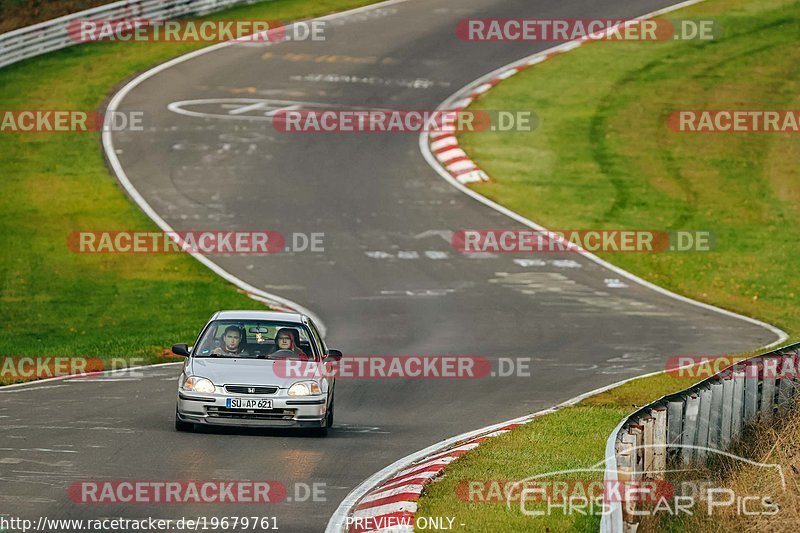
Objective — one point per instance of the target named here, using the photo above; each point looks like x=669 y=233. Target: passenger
x=286 y=339
x=232 y=342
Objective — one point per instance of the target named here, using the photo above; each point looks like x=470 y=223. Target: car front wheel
x=180 y=425
x=329 y=417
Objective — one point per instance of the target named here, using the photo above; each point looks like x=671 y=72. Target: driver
x=231 y=342
x=286 y=339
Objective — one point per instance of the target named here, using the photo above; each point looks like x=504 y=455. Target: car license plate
x=248 y=403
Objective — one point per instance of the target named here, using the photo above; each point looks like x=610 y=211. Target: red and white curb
x=391 y=505
x=444 y=144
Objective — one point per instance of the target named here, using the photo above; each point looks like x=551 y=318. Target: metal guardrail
x=52 y=35
x=707 y=416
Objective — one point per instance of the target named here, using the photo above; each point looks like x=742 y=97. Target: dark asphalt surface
x=375 y=198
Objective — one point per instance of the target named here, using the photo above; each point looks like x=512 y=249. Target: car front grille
x=251 y=389
x=251 y=414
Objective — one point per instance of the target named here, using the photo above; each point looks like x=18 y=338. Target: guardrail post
x=624 y=449
x=626 y=461
x=727 y=411
x=648 y=424
x=638 y=452
x=659 y=442
x=738 y=403
x=703 y=419
x=751 y=397
x=674 y=423
x=715 y=416
x=786 y=385
x=689 y=434
x=770 y=370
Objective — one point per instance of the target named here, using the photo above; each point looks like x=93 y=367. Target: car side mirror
x=181 y=349
x=335 y=355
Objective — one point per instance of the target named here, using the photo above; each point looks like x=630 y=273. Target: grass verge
x=54 y=301
x=603 y=158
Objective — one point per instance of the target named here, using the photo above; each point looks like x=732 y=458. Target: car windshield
x=257 y=339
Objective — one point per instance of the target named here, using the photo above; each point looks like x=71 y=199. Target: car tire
x=329 y=417
x=180 y=425
x=323 y=431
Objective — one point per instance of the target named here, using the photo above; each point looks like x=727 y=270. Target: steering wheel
x=283 y=353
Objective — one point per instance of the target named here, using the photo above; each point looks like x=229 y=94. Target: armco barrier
x=51 y=35
x=682 y=427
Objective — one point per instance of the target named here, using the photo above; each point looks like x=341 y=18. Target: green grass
x=54 y=301
x=603 y=157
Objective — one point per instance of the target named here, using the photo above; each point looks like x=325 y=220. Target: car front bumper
x=286 y=412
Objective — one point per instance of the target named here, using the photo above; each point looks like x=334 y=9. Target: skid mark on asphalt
x=368 y=15
x=37 y=450
x=569 y=292
x=558 y=263
x=434 y=255
x=418 y=292
x=636 y=361
x=19 y=460
x=23 y=499
x=379 y=81
x=354 y=428
x=329 y=58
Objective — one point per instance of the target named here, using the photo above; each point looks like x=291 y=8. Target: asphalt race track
x=377 y=286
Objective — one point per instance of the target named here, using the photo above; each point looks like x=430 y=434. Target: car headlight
x=304 y=388
x=198 y=384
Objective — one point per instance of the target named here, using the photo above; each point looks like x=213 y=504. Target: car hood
x=240 y=371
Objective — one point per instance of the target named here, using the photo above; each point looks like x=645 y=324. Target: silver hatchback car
x=257 y=369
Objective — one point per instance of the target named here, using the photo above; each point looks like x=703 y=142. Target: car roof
x=259 y=315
